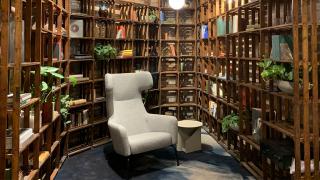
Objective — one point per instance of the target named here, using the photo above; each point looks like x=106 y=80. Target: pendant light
x=176 y=4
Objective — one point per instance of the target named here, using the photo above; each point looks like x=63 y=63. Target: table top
x=189 y=124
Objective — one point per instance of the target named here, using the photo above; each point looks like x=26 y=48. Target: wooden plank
x=4 y=83
x=305 y=60
x=296 y=106
x=16 y=88
x=315 y=82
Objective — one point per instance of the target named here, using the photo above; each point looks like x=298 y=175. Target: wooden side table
x=189 y=136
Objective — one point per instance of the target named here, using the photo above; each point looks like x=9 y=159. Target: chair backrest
x=124 y=101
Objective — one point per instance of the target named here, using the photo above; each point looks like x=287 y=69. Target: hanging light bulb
x=176 y=4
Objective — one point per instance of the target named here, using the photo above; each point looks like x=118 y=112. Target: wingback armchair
x=133 y=130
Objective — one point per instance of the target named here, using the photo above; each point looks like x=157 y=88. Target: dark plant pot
x=47 y=110
x=287 y=87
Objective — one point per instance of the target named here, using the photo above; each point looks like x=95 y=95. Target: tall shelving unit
x=140 y=36
x=30 y=32
x=177 y=61
x=275 y=126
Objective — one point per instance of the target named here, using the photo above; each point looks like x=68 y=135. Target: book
x=76 y=28
x=172 y=49
x=24 y=135
x=282 y=46
x=85 y=116
x=121 y=32
x=221 y=26
x=204 y=32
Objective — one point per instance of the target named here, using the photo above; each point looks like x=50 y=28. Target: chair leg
x=176 y=154
x=128 y=168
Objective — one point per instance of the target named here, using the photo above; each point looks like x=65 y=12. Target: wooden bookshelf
x=178 y=57
x=228 y=62
x=24 y=53
x=140 y=35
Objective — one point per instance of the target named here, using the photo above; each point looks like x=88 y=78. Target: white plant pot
x=285 y=86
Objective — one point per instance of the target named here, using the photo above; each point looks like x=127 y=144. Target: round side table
x=189 y=136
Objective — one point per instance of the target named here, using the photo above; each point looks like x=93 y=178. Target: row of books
x=80 y=118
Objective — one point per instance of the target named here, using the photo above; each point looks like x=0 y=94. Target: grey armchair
x=133 y=130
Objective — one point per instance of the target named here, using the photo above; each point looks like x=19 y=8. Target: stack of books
x=125 y=53
x=24 y=135
x=24 y=98
x=79 y=77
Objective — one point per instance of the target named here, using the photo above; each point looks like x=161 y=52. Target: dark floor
x=103 y=164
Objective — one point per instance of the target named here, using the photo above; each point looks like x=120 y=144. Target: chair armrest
x=163 y=123
x=119 y=139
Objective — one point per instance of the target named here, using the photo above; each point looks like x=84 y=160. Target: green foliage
x=65 y=107
x=152 y=16
x=228 y=121
x=105 y=52
x=271 y=70
x=48 y=71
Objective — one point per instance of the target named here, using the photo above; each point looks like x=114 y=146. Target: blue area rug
x=103 y=164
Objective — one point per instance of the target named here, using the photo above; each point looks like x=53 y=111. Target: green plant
x=152 y=16
x=50 y=72
x=229 y=121
x=64 y=108
x=105 y=52
x=271 y=70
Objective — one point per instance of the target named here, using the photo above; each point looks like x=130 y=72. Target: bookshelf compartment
x=168 y=49
x=168 y=17
x=186 y=17
x=187 y=96
x=187 y=33
x=187 y=64
x=170 y=111
x=187 y=49
x=187 y=80
x=100 y=132
x=79 y=139
x=169 y=97
x=169 y=81
x=187 y=112
x=168 y=33
x=153 y=65
x=169 y=64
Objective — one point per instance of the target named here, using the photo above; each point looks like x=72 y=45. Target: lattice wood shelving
x=30 y=33
x=139 y=35
x=178 y=57
x=230 y=81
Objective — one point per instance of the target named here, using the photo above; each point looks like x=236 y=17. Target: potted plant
x=280 y=72
x=105 y=52
x=230 y=121
x=46 y=90
x=64 y=109
x=152 y=16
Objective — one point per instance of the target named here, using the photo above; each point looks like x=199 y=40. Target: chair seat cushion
x=149 y=141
